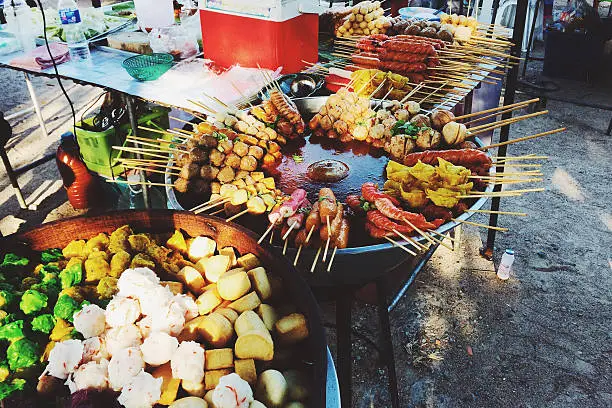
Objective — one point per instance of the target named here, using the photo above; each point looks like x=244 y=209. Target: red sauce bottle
x=80 y=185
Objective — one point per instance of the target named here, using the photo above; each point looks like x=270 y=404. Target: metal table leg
x=34 y=99
x=129 y=101
x=386 y=341
x=344 y=321
x=530 y=40
x=13 y=178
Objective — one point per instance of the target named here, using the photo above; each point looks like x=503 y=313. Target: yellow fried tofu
x=98 y=243
x=96 y=269
x=177 y=242
x=107 y=287
x=119 y=263
x=142 y=261
x=219 y=358
x=118 y=240
x=75 y=249
x=139 y=242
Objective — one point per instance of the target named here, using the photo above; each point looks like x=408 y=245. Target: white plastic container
x=70 y=16
x=154 y=14
x=19 y=21
x=505 y=266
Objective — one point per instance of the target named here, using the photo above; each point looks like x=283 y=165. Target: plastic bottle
x=80 y=185
x=73 y=30
x=136 y=196
x=505 y=266
x=20 y=23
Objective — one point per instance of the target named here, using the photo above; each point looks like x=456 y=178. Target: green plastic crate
x=97 y=147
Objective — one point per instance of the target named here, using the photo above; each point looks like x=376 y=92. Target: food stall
x=271 y=198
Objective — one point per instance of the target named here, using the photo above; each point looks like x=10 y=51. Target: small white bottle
x=73 y=29
x=505 y=266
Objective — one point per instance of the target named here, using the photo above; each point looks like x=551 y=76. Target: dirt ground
x=462 y=337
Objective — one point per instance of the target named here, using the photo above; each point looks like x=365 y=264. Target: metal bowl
x=313 y=352
x=364 y=261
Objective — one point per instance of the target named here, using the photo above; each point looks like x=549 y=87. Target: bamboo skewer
x=503 y=159
x=265 y=233
x=233 y=217
x=469 y=115
x=145 y=165
x=506 y=121
x=331 y=260
x=524 y=190
x=216 y=204
x=149 y=170
x=285 y=246
x=133 y=150
x=424 y=235
x=518 y=214
x=492 y=115
x=271 y=237
x=501 y=229
x=144 y=183
x=193 y=125
x=217 y=212
x=160 y=148
x=397 y=244
x=415 y=244
x=297 y=255
x=309 y=234
x=316 y=258
x=328 y=239
x=161 y=132
x=288 y=231
x=207 y=203
x=522 y=139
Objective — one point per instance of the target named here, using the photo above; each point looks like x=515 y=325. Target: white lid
x=270 y=10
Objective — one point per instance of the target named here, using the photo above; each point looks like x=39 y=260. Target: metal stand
x=35 y=104
x=344 y=297
x=511 y=84
x=129 y=101
x=530 y=41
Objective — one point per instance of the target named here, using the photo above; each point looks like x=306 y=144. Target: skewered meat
x=376 y=232
x=216 y=157
x=402 y=114
x=411 y=47
x=248 y=163
x=256 y=152
x=342 y=237
x=403 y=67
x=327 y=203
x=209 y=172
x=440 y=118
x=241 y=149
x=354 y=203
x=226 y=174
x=285 y=107
x=313 y=220
x=421 y=120
x=232 y=160
x=390 y=55
x=181 y=185
x=226 y=146
x=381 y=221
x=334 y=225
x=208 y=142
x=432 y=211
x=454 y=133
x=189 y=171
x=198 y=155
x=428 y=139
x=370 y=193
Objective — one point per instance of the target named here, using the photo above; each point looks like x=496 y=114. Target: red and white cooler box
x=271 y=33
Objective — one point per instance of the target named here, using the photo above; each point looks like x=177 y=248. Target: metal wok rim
x=446 y=227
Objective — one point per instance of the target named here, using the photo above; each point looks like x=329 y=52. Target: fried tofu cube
x=268 y=315
x=230 y=253
x=246 y=370
x=233 y=284
x=193 y=279
x=248 y=261
x=213 y=267
x=170 y=385
x=201 y=247
x=190 y=331
x=216 y=330
x=247 y=302
x=219 y=358
x=292 y=329
x=229 y=314
x=208 y=300
x=261 y=283
x=175 y=287
x=211 y=378
x=195 y=389
x=177 y=242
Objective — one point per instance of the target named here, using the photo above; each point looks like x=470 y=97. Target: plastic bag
x=175 y=40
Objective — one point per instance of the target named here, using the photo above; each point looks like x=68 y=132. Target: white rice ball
x=90 y=321
x=143 y=391
x=122 y=311
x=123 y=366
x=158 y=348
x=188 y=362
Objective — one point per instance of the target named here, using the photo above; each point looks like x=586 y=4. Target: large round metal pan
x=364 y=260
x=313 y=353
